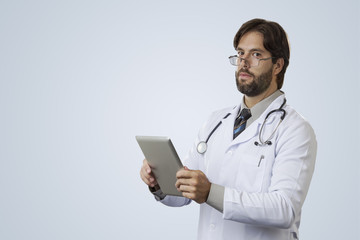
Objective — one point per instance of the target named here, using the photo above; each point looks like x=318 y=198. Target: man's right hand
x=147 y=175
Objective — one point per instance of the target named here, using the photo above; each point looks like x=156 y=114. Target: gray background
x=79 y=79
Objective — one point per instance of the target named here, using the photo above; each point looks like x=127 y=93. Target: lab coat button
x=230 y=152
x=212 y=226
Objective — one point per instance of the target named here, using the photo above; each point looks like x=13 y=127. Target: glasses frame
x=244 y=59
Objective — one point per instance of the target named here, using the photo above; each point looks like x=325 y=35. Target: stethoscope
x=268 y=142
x=202 y=146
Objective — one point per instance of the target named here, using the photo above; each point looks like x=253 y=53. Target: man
x=253 y=178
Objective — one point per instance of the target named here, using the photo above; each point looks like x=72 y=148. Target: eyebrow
x=251 y=50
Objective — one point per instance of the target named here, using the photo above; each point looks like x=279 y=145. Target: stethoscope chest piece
x=202 y=147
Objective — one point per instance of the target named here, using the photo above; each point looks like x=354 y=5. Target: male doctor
x=252 y=176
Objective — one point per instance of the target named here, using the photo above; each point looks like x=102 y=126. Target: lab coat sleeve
x=280 y=205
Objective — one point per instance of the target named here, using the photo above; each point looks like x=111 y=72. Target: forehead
x=251 y=40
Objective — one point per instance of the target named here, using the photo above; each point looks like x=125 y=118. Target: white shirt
x=265 y=186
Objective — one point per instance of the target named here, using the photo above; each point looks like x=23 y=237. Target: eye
x=256 y=54
x=241 y=53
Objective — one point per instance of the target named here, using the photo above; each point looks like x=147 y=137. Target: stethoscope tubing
x=268 y=142
x=216 y=127
x=202 y=145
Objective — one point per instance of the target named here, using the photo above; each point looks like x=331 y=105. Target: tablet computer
x=163 y=160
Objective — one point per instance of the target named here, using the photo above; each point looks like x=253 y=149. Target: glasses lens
x=253 y=61
x=234 y=60
x=250 y=61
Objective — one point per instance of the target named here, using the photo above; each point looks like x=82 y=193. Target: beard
x=258 y=85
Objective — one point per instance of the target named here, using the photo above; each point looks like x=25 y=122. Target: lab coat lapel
x=229 y=124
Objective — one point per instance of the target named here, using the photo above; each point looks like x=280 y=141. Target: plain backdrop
x=79 y=79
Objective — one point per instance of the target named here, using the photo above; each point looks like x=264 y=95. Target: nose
x=243 y=63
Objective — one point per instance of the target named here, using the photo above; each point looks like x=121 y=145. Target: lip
x=244 y=75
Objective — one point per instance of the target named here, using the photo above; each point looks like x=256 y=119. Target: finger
x=178 y=184
x=189 y=195
x=182 y=173
x=146 y=166
x=150 y=182
x=187 y=188
x=182 y=181
x=147 y=177
x=145 y=173
x=153 y=182
x=145 y=180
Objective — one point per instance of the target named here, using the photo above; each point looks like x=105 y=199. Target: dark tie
x=240 y=121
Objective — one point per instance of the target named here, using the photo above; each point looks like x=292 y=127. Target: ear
x=278 y=66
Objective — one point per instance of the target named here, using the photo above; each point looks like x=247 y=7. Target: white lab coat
x=265 y=186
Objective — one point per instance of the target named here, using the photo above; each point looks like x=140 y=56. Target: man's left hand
x=193 y=184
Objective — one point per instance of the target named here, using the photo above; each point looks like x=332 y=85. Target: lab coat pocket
x=250 y=173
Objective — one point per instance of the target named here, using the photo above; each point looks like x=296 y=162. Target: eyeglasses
x=252 y=60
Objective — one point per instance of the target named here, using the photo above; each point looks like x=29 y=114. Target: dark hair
x=275 y=41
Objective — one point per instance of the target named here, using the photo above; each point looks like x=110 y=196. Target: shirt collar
x=260 y=107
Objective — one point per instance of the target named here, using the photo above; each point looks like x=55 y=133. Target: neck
x=252 y=101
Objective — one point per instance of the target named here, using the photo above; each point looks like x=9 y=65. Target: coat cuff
x=216 y=197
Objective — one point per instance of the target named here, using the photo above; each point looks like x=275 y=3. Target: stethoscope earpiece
x=256 y=143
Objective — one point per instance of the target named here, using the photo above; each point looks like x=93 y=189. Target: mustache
x=237 y=73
